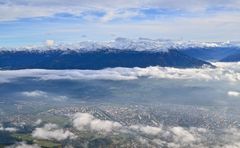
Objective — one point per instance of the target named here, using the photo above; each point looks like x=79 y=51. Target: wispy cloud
x=26 y=8
x=44 y=95
x=213 y=20
x=36 y=93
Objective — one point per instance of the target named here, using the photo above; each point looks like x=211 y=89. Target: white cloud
x=111 y=15
x=214 y=20
x=15 y=9
x=8 y=129
x=38 y=122
x=150 y=130
x=179 y=137
x=82 y=121
x=52 y=132
x=234 y=94
x=36 y=93
x=182 y=135
x=49 y=43
x=230 y=138
x=150 y=136
x=60 y=98
x=24 y=145
x=167 y=136
x=162 y=136
x=43 y=94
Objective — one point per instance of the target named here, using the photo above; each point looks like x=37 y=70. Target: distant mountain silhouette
x=99 y=59
x=211 y=53
x=231 y=58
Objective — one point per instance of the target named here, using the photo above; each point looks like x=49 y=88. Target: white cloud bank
x=223 y=72
x=52 y=132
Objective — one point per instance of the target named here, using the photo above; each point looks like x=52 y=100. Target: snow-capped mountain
x=140 y=44
x=120 y=52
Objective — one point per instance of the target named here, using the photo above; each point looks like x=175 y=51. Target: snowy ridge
x=140 y=44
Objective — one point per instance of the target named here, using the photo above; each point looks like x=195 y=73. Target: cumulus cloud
x=83 y=121
x=234 y=94
x=146 y=135
x=182 y=135
x=163 y=136
x=224 y=72
x=167 y=136
x=38 y=122
x=179 y=137
x=52 y=132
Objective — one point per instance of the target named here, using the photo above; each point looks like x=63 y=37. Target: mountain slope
x=211 y=53
x=99 y=59
x=231 y=58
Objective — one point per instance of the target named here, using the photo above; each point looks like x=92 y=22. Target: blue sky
x=32 y=22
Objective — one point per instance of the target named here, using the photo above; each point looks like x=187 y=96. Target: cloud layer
x=27 y=8
x=215 y=20
x=224 y=72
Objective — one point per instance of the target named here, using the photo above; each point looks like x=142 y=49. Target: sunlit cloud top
x=27 y=22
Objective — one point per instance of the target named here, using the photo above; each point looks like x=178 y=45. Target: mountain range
x=58 y=59
x=120 y=52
